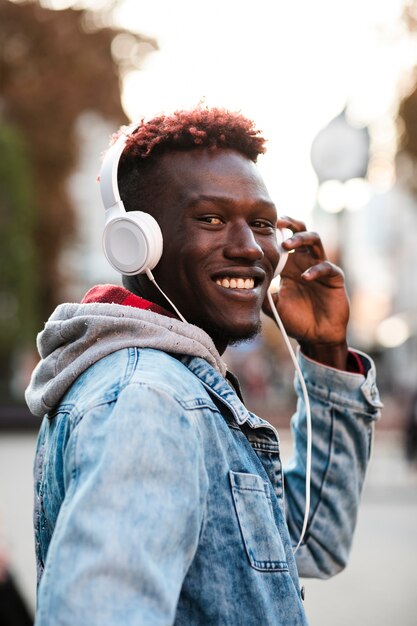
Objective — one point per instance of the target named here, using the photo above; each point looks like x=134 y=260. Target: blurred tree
x=19 y=309
x=54 y=65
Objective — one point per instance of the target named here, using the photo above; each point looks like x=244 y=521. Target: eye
x=262 y=224
x=211 y=219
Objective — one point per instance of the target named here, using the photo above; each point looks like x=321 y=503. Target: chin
x=233 y=335
x=236 y=342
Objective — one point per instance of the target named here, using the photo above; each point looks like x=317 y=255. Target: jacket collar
x=223 y=392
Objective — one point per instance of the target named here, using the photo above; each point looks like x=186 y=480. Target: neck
x=141 y=286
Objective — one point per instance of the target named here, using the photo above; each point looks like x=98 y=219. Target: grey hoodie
x=78 y=335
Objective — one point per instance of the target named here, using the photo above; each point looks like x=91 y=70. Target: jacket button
x=303 y=593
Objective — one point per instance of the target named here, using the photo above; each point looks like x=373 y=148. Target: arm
x=344 y=407
x=314 y=307
x=130 y=522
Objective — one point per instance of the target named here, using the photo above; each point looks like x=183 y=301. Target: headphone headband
x=132 y=240
x=109 y=189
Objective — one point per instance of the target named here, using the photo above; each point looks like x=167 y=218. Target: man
x=159 y=497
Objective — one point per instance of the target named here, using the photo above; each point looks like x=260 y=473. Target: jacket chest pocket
x=260 y=535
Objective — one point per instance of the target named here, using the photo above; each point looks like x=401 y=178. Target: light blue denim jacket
x=159 y=498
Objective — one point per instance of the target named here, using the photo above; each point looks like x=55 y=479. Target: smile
x=236 y=283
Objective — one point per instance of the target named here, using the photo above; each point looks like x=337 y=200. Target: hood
x=78 y=335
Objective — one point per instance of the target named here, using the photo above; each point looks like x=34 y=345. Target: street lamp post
x=340 y=156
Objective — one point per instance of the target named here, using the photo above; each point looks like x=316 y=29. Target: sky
x=291 y=66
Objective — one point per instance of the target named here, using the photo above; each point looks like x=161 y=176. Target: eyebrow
x=229 y=201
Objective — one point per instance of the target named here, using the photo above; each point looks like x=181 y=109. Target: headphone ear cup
x=132 y=242
x=283 y=254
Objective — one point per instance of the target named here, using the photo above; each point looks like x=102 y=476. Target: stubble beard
x=228 y=338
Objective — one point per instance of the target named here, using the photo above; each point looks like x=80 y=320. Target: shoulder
x=155 y=367
x=104 y=381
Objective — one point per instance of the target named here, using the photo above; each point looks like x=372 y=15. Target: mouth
x=242 y=281
x=231 y=282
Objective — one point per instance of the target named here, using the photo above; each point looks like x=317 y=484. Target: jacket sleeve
x=130 y=522
x=344 y=407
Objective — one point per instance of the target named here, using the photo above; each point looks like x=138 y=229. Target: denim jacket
x=160 y=499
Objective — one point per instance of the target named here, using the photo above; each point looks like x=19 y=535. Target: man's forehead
x=208 y=172
x=201 y=159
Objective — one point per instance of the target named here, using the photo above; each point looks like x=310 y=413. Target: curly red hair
x=200 y=127
x=196 y=128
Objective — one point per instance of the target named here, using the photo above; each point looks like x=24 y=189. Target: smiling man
x=159 y=496
x=218 y=225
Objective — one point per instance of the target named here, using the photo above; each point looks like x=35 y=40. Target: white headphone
x=132 y=240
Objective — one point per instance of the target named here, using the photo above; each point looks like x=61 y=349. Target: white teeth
x=236 y=283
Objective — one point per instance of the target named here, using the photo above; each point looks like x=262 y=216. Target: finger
x=325 y=270
x=306 y=241
x=301 y=237
x=284 y=221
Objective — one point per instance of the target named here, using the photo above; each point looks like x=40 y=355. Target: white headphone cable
x=152 y=279
x=308 y=416
x=303 y=387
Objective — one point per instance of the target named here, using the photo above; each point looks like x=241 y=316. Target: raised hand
x=312 y=300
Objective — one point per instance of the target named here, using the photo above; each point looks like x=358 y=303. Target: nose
x=241 y=243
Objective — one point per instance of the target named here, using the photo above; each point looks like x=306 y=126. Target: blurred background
x=333 y=85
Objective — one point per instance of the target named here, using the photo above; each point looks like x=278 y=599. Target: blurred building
x=369 y=231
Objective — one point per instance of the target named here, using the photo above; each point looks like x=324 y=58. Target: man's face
x=220 y=249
